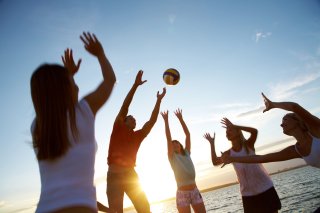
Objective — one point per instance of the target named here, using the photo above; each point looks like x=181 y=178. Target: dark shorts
x=264 y=202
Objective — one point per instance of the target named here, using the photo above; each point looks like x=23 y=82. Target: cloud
x=232 y=105
x=285 y=90
x=261 y=35
x=252 y=112
x=2 y=203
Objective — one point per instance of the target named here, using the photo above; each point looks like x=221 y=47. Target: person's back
x=63 y=181
x=63 y=131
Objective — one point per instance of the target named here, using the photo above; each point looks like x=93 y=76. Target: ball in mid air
x=171 y=76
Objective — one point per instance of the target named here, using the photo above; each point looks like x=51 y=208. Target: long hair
x=51 y=91
x=304 y=127
x=183 y=152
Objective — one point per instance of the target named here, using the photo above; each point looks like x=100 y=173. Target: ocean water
x=298 y=189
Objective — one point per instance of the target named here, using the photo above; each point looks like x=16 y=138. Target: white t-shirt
x=253 y=178
x=68 y=181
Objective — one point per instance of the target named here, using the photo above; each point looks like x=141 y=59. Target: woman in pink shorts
x=183 y=168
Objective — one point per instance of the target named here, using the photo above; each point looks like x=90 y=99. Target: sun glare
x=157 y=181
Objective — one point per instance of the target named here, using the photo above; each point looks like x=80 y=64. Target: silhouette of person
x=301 y=125
x=124 y=145
x=63 y=131
x=183 y=168
x=256 y=187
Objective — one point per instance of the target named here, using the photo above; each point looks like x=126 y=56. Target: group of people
x=64 y=142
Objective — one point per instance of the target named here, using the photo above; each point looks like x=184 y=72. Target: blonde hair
x=296 y=117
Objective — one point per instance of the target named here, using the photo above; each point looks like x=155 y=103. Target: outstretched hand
x=267 y=103
x=209 y=138
x=138 y=80
x=92 y=44
x=160 y=96
x=178 y=113
x=68 y=62
x=165 y=115
x=226 y=123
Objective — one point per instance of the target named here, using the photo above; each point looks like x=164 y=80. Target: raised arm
x=178 y=113
x=215 y=160
x=253 y=132
x=127 y=101
x=283 y=155
x=154 y=115
x=168 y=133
x=98 y=97
x=312 y=121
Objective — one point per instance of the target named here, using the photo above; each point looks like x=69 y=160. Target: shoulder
x=84 y=107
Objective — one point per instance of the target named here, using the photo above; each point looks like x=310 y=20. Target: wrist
x=101 y=55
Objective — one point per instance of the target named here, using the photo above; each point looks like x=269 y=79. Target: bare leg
x=184 y=209
x=199 y=208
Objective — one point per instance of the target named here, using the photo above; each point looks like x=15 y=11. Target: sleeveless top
x=183 y=169
x=69 y=180
x=313 y=159
x=253 y=178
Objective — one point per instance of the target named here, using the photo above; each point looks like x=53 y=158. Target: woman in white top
x=256 y=187
x=63 y=131
x=300 y=124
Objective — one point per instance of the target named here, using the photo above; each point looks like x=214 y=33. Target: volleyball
x=171 y=76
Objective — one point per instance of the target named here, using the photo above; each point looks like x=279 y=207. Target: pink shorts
x=185 y=198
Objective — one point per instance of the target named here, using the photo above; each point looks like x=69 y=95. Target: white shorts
x=185 y=198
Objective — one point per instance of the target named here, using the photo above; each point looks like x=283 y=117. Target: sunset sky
x=227 y=53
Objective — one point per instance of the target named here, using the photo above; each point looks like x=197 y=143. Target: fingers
x=87 y=38
x=78 y=64
x=164 y=90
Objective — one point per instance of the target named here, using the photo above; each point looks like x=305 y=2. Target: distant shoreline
x=221 y=186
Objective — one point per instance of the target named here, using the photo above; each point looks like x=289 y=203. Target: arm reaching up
x=178 y=113
x=127 y=101
x=168 y=133
x=97 y=98
x=310 y=120
x=215 y=160
x=154 y=115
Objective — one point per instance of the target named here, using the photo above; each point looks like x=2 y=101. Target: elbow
x=295 y=107
x=215 y=163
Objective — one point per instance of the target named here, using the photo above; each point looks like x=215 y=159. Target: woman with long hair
x=301 y=125
x=256 y=187
x=63 y=131
x=298 y=123
x=183 y=168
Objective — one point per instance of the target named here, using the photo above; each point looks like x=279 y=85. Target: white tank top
x=68 y=181
x=313 y=159
x=253 y=178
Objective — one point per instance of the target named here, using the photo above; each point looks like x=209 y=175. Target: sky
x=227 y=53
